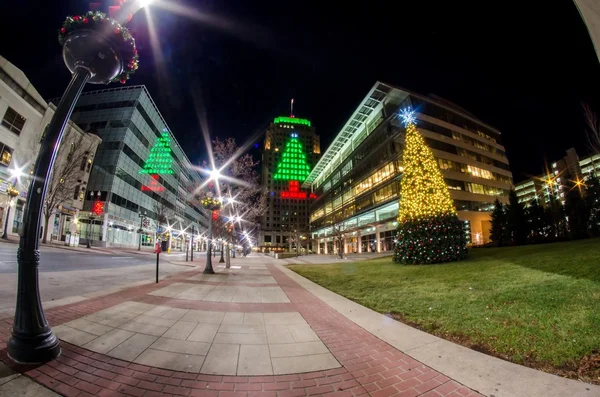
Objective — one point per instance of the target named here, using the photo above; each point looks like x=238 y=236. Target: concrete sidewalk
x=258 y=329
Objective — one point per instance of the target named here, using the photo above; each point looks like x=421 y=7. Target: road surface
x=67 y=276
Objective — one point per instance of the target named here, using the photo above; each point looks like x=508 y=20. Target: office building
x=25 y=116
x=357 y=180
x=290 y=150
x=126 y=202
x=559 y=177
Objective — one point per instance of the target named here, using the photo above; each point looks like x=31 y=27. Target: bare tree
x=593 y=130
x=65 y=178
x=338 y=238
x=163 y=213
x=248 y=194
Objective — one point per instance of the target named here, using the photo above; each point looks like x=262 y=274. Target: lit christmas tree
x=429 y=230
x=293 y=167
x=160 y=159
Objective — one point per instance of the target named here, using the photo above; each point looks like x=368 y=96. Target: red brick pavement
x=370 y=366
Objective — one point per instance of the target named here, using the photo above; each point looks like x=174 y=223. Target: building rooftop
x=370 y=107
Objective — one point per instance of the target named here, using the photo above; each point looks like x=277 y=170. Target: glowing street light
x=215 y=175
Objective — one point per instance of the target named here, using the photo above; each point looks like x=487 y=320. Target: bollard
x=157 y=256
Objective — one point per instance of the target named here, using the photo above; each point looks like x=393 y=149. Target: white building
x=25 y=115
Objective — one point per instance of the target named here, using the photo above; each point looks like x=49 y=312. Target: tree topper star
x=408 y=116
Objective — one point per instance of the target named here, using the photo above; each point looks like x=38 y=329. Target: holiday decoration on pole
x=429 y=230
x=98 y=208
x=111 y=30
x=293 y=167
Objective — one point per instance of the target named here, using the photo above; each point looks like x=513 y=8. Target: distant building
x=131 y=202
x=25 y=116
x=560 y=176
x=357 y=180
x=286 y=218
x=531 y=189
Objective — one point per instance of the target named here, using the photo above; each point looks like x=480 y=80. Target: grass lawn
x=535 y=305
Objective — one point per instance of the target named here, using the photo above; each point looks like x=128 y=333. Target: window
x=5 y=154
x=83 y=163
x=13 y=121
x=88 y=165
x=480 y=173
x=76 y=193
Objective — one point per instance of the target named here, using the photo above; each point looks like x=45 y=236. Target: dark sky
x=521 y=66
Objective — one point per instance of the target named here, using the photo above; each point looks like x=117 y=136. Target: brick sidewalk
x=369 y=366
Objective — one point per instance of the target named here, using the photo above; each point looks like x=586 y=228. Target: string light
x=423 y=189
x=429 y=230
x=160 y=160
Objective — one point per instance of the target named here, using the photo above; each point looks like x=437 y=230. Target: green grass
x=536 y=305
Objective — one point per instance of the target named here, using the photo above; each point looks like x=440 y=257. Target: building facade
x=357 y=180
x=138 y=187
x=25 y=116
x=73 y=165
x=290 y=144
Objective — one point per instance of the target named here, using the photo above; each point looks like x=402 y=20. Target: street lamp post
x=208 y=269
x=192 y=243
x=91 y=55
x=221 y=245
x=91 y=218
x=142 y=217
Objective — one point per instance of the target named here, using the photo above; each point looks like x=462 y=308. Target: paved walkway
x=256 y=329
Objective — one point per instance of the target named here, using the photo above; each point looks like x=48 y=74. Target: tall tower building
x=291 y=150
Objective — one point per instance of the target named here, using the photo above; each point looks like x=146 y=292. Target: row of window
x=106 y=105
x=388 y=192
x=449 y=148
x=121 y=146
x=93 y=127
x=130 y=180
x=440 y=113
x=460 y=137
x=450 y=165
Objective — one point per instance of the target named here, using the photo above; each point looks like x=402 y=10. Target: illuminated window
x=6 y=154
x=480 y=173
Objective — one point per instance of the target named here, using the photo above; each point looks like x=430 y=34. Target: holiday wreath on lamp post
x=112 y=30
x=210 y=202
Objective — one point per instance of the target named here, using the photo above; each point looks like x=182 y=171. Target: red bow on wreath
x=114 y=10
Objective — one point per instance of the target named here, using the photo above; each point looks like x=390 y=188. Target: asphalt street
x=60 y=260
x=66 y=275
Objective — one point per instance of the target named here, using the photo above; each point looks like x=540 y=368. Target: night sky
x=522 y=68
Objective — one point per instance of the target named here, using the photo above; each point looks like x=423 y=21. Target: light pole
x=97 y=50
x=212 y=203
x=91 y=218
x=192 y=243
x=142 y=217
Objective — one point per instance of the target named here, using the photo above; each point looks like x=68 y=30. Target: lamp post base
x=33 y=349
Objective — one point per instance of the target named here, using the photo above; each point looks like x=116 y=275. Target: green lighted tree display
x=160 y=159
x=293 y=165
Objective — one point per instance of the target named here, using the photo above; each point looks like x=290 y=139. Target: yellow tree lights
x=428 y=229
